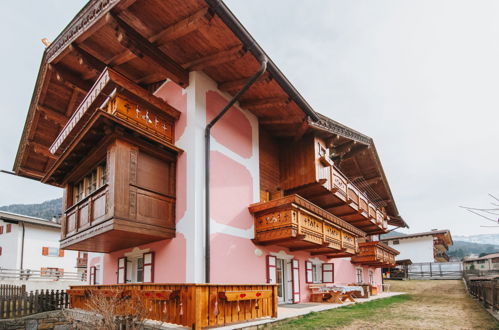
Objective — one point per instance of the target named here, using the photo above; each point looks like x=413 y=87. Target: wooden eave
x=148 y=42
x=360 y=162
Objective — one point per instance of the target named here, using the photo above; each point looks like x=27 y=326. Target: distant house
x=429 y=246
x=488 y=262
x=28 y=243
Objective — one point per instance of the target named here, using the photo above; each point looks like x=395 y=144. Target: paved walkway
x=284 y=312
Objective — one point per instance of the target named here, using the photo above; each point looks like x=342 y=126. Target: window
x=371 y=277
x=90 y=183
x=360 y=275
x=396 y=242
x=9 y=227
x=140 y=270
x=317 y=273
x=52 y=252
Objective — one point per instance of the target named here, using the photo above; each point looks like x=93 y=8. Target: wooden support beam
x=343 y=148
x=266 y=103
x=89 y=62
x=236 y=85
x=182 y=27
x=30 y=173
x=352 y=152
x=70 y=79
x=218 y=58
x=304 y=248
x=42 y=150
x=121 y=58
x=52 y=115
x=302 y=129
x=72 y=103
x=143 y=48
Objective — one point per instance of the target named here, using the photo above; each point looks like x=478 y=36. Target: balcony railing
x=375 y=254
x=192 y=305
x=298 y=224
x=81 y=262
x=439 y=243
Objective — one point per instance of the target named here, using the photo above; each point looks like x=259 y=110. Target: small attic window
x=396 y=242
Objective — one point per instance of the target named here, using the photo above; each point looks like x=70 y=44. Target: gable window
x=90 y=183
x=360 y=275
x=396 y=242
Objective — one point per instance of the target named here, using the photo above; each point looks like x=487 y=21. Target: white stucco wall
x=37 y=237
x=418 y=249
x=9 y=242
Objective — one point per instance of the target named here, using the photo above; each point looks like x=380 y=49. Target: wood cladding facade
x=269 y=162
x=137 y=201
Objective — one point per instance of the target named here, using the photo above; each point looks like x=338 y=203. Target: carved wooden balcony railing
x=375 y=254
x=298 y=224
x=307 y=170
x=194 y=306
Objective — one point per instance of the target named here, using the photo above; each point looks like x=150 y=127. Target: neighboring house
x=119 y=122
x=429 y=246
x=28 y=243
x=488 y=262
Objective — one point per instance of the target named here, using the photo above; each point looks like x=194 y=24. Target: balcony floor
x=113 y=235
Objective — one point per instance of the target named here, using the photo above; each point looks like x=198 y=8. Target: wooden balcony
x=440 y=256
x=375 y=254
x=297 y=224
x=191 y=305
x=81 y=262
x=309 y=172
x=440 y=244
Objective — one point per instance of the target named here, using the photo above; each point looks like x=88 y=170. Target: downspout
x=207 y=136
x=22 y=247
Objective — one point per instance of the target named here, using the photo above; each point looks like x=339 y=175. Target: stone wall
x=55 y=320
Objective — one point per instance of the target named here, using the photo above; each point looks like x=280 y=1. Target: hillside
x=462 y=249
x=45 y=210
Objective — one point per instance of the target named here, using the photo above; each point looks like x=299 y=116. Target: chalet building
x=163 y=185
x=32 y=245
x=429 y=246
x=485 y=263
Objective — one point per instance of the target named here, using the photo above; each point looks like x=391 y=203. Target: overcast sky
x=420 y=77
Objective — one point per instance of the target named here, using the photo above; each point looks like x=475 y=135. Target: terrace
x=375 y=254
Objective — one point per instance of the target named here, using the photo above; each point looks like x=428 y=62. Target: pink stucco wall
x=169 y=261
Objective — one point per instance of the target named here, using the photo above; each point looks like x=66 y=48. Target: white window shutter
x=271 y=269
x=296 y=280
x=122 y=270
x=148 y=267
x=328 y=273
x=309 y=277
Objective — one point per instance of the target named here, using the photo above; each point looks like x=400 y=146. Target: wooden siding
x=269 y=162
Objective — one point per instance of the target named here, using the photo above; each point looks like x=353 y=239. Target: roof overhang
x=147 y=42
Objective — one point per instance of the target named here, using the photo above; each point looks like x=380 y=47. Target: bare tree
x=490 y=214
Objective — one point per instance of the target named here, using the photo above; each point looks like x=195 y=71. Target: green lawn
x=341 y=316
x=430 y=304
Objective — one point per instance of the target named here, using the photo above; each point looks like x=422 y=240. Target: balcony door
x=284 y=281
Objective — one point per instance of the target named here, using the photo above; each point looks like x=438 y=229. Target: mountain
x=462 y=249
x=481 y=239
x=45 y=210
x=392 y=234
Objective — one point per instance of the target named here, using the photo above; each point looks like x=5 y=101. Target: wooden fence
x=486 y=291
x=7 y=290
x=435 y=270
x=193 y=305
x=31 y=274
x=12 y=306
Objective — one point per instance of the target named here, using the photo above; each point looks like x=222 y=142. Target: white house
x=429 y=246
x=28 y=243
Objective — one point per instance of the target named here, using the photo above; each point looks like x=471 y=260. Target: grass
x=341 y=316
x=439 y=304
